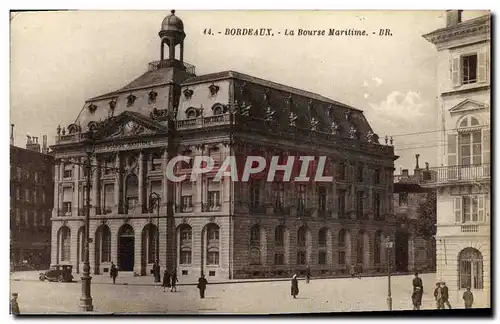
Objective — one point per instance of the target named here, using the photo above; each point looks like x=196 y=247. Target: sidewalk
x=129 y=279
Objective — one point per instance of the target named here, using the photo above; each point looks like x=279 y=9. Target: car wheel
x=60 y=278
x=42 y=278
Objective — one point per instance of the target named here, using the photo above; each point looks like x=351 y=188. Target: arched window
x=470 y=142
x=212 y=244
x=65 y=243
x=186 y=242
x=301 y=236
x=322 y=237
x=190 y=113
x=279 y=236
x=255 y=235
x=104 y=240
x=470 y=269
x=217 y=110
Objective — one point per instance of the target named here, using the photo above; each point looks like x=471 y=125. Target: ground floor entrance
x=126 y=241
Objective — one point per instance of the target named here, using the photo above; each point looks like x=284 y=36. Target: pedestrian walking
x=113 y=273
x=352 y=271
x=417 y=283
x=445 y=295
x=438 y=296
x=416 y=298
x=156 y=271
x=468 y=298
x=166 y=280
x=308 y=274
x=202 y=285
x=175 y=280
x=295 y=286
x=14 y=306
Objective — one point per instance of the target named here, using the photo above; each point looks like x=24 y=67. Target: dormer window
x=92 y=108
x=188 y=93
x=218 y=110
x=152 y=96
x=112 y=104
x=213 y=89
x=191 y=113
x=130 y=100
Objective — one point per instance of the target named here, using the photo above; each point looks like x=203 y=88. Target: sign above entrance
x=128 y=146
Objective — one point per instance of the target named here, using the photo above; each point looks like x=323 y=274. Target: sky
x=60 y=59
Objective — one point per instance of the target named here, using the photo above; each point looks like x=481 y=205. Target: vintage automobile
x=58 y=272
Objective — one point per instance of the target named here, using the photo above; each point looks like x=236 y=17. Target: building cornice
x=473 y=27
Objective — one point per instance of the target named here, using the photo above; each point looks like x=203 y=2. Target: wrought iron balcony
x=456 y=173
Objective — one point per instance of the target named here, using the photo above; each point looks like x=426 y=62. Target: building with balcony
x=419 y=250
x=463 y=180
x=31 y=190
x=224 y=229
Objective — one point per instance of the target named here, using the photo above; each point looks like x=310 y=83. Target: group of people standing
x=440 y=295
x=170 y=279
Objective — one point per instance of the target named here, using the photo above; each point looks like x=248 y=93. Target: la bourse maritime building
x=225 y=229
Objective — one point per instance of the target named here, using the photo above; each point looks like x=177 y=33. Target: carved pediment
x=128 y=124
x=467 y=105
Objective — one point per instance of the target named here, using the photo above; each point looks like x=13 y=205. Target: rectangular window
x=322 y=198
x=341 y=203
x=322 y=257
x=187 y=203
x=109 y=198
x=359 y=204
x=26 y=194
x=279 y=259
x=470 y=148
x=186 y=235
x=68 y=172
x=213 y=258
x=301 y=257
x=403 y=199
x=213 y=198
x=376 y=176
x=469 y=69
x=279 y=195
x=301 y=197
x=376 y=206
x=255 y=194
x=67 y=208
x=359 y=173
x=342 y=257
x=185 y=257
x=157 y=161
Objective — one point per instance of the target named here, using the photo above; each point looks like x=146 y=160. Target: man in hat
x=438 y=295
x=14 y=306
x=468 y=298
x=445 y=295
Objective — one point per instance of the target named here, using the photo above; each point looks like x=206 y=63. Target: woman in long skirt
x=166 y=280
x=295 y=286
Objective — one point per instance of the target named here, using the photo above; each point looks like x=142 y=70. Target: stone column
x=141 y=181
x=56 y=190
x=164 y=183
x=61 y=171
x=116 y=206
x=95 y=188
x=74 y=204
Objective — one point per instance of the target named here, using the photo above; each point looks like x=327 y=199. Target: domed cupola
x=172 y=34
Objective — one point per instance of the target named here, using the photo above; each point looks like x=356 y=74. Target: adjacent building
x=463 y=181
x=31 y=201
x=224 y=229
x=419 y=252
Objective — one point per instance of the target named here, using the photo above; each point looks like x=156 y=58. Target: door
x=126 y=241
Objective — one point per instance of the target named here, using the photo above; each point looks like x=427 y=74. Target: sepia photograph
x=189 y=162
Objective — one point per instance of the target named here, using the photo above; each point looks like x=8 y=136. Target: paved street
x=322 y=295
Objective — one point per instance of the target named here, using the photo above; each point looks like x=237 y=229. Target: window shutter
x=452 y=149
x=481 y=66
x=458 y=209
x=480 y=209
x=455 y=71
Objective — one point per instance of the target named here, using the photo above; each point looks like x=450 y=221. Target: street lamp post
x=86 y=299
x=389 y=245
x=154 y=200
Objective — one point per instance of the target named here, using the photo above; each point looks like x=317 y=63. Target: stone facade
x=227 y=229
x=463 y=183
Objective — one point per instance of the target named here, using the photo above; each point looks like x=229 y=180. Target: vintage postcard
x=250 y=162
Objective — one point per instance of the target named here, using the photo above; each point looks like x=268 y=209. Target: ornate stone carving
x=266 y=95
x=126 y=220
x=211 y=219
x=370 y=136
x=104 y=221
x=130 y=100
x=330 y=111
x=159 y=113
x=112 y=104
x=245 y=109
x=334 y=128
x=213 y=89
x=242 y=87
x=152 y=96
x=58 y=129
x=314 y=124
x=347 y=115
x=64 y=223
x=92 y=108
x=184 y=220
x=288 y=101
x=188 y=93
x=292 y=118
x=270 y=114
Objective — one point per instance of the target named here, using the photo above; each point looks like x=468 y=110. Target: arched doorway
x=470 y=269
x=126 y=241
x=401 y=251
x=102 y=247
x=149 y=246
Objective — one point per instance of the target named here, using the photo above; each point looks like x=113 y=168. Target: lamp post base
x=86 y=304
x=389 y=303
